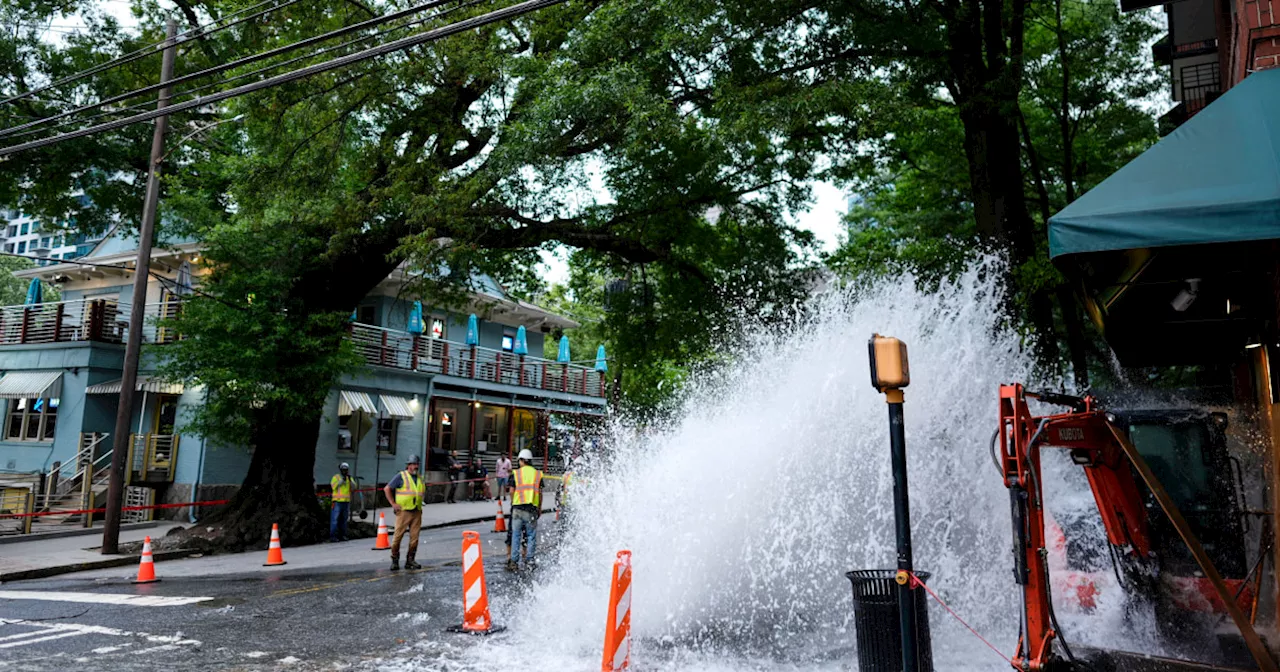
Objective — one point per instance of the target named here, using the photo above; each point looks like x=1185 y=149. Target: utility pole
x=141 y=274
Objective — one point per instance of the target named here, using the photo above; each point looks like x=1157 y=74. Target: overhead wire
x=155 y=48
x=18 y=130
x=506 y=13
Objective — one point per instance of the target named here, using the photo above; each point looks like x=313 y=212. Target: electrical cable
x=504 y=14
x=223 y=67
x=12 y=131
x=155 y=48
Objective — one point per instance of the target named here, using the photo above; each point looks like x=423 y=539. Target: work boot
x=410 y=563
x=395 y=563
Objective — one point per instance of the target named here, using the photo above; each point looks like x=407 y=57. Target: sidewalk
x=40 y=558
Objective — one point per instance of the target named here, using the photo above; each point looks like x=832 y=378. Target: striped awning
x=145 y=384
x=31 y=385
x=350 y=401
x=396 y=407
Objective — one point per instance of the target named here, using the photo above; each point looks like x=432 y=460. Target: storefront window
x=437 y=327
x=32 y=419
x=387 y=436
x=344 y=434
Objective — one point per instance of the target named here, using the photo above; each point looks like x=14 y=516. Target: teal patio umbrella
x=602 y=364
x=473 y=330
x=521 y=346
x=416 y=327
x=34 y=294
x=563 y=355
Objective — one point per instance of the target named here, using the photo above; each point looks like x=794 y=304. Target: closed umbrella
x=521 y=346
x=415 y=319
x=473 y=330
x=183 y=286
x=601 y=363
x=34 y=294
x=563 y=355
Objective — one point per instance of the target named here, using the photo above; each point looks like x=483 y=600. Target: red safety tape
x=916 y=582
x=219 y=502
x=431 y=483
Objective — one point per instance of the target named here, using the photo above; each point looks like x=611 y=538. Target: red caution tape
x=218 y=502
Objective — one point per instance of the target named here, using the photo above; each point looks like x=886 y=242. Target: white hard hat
x=344 y=465
x=526 y=454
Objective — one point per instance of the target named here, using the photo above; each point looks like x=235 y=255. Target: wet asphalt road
x=298 y=620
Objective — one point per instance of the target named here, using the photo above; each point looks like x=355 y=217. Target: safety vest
x=409 y=494
x=341 y=488
x=528 y=482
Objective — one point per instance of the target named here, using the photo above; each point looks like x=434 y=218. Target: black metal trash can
x=875 y=616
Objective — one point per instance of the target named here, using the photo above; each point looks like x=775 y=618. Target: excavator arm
x=1086 y=433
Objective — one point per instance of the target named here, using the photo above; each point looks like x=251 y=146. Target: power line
x=198 y=31
x=495 y=16
x=231 y=65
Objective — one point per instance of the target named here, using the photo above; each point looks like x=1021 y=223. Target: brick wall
x=1257 y=38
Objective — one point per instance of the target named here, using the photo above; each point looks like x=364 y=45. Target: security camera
x=1187 y=296
x=61 y=278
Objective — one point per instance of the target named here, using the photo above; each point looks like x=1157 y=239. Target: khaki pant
x=411 y=521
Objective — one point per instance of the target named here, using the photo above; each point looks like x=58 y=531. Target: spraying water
x=744 y=511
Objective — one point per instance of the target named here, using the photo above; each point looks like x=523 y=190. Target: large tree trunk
x=279 y=488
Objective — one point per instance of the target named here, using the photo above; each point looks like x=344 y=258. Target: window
x=44 y=242
x=366 y=315
x=437 y=327
x=9 y=248
x=13 y=230
x=32 y=419
x=489 y=431
x=387 y=436
x=508 y=341
x=25 y=229
x=22 y=247
x=444 y=428
x=344 y=434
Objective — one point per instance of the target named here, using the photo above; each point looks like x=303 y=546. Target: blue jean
x=523 y=521
x=338 y=516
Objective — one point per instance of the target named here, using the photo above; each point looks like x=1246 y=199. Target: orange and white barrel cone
x=275 y=556
x=500 y=523
x=383 y=542
x=475 y=596
x=147 y=568
x=617 y=630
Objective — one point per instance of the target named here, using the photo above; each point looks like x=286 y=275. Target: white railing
x=102 y=320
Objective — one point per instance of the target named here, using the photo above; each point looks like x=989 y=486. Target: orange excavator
x=1156 y=550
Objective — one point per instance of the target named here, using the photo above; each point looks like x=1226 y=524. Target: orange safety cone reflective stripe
x=382 y=543
x=617 y=629
x=475 y=596
x=500 y=523
x=147 y=567
x=275 y=556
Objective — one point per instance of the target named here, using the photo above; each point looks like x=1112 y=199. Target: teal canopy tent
x=521 y=346
x=602 y=363
x=1215 y=179
x=416 y=325
x=35 y=295
x=563 y=355
x=473 y=330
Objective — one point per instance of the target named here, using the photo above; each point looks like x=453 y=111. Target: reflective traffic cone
x=617 y=630
x=500 y=523
x=383 y=542
x=475 y=596
x=275 y=556
x=147 y=568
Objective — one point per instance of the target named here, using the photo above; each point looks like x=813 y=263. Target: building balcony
x=403 y=350
x=106 y=321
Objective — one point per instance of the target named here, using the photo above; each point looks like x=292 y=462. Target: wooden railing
x=402 y=350
x=100 y=320
x=152 y=454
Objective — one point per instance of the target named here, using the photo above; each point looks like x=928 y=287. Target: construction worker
x=526 y=507
x=405 y=494
x=340 y=512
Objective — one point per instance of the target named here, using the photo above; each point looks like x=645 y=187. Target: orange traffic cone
x=383 y=542
x=147 y=568
x=275 y=556
x=617 y=630
x=475 y=596
x=500 y=523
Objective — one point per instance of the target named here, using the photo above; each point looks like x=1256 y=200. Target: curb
x=79 y=532
x=105 y=563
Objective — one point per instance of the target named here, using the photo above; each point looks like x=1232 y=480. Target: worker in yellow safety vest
x=405 y=492
x=526 y=508
x=340 y=511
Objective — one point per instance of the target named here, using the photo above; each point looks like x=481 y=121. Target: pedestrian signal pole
x=889 y=374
